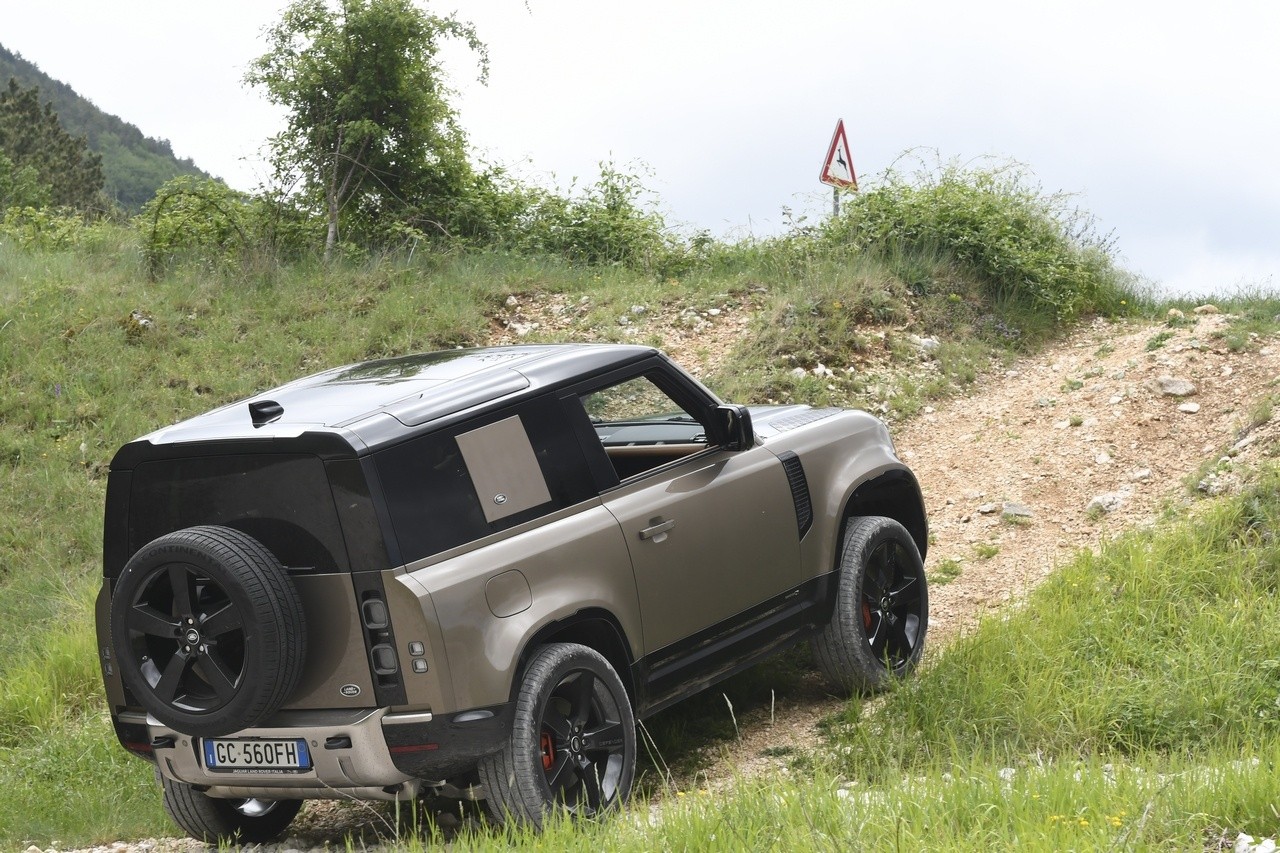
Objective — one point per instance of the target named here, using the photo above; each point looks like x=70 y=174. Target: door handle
x=658 y=531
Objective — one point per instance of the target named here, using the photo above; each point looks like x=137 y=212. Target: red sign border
x=825 y=175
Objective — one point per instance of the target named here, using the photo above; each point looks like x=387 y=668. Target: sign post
x=837 y=168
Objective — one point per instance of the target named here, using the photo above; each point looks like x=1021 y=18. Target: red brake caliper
x=548 y=747
x=866 y=615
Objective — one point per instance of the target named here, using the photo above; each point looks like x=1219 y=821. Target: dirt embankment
x=1094 y=436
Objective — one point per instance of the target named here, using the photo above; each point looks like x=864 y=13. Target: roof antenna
x=264 y=412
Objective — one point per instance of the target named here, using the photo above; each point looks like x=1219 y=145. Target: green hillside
x=134 y=165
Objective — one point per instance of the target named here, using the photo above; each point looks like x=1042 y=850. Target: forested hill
x=133 y=165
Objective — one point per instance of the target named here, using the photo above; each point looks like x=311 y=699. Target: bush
x=204 y=219
x=1024 y=245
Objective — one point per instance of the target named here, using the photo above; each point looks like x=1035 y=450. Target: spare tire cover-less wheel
x=208 y=630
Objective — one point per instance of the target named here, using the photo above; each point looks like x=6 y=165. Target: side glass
x=641 y=427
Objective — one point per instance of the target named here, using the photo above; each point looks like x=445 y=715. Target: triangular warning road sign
x=837 y=169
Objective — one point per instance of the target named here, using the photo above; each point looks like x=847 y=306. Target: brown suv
x=471 y=571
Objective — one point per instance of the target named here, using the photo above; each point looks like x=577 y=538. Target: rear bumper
x=348 y=750
x=365 y=754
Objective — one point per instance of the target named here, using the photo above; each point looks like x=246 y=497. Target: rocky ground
x=1091 y=437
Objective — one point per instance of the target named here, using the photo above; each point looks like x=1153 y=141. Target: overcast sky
x=1163 y=116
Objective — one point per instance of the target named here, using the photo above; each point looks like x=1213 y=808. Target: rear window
x=282 y=500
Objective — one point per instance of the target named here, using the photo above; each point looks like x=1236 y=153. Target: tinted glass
x=432 y=499
x=283 y=501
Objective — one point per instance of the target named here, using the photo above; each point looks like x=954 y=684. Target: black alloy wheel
x=881 y=610
x=581 y=745
x=573 y=741
x=208 y=630
x=188 y=637
x=893 y=590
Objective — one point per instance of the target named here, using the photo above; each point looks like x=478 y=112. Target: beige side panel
x=335 y=645
x=572 y=562
x=504 y=469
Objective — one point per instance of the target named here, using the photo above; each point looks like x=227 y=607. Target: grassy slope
x=83 y=373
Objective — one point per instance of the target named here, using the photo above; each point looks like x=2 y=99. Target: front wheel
x=216 y=821
x=572 y=744
x=881 y=613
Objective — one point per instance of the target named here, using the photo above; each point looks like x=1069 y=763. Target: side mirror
x=736 y=432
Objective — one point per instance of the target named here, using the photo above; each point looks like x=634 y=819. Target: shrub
x=1024 y=245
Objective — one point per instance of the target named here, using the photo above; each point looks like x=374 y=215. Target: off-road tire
x=877 y=627
x=216 y=821
x=565 y=743
x=208 y=630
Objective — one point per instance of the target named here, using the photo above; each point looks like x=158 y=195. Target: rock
x=714 y=312
x=1245 y=844
x=926 y=345
x=799 y=373
x=823 y=371
x=1175 y=315
x=1213 y=485
x=1016 y=510
x=1244 y=442
x=988 y=508
x=928 y=410
x=1108 y=502
x=1189 y=408
x=1140 y=475
x=1103 y=458
x=1118 y=398
x=512 y=302
x=1170 y=386
x=639 y=309
x=1061 y=424
x=1207 y=308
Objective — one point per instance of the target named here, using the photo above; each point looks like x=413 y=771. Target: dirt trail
x=1083 y=420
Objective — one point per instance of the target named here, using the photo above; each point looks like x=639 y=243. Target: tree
x=40 y=163
x=370 y=134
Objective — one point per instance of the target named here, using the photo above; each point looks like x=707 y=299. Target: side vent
x=799 y=490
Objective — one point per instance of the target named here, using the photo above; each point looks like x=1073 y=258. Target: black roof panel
x=412 y=389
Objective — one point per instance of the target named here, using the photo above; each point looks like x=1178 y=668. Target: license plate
x=224 y=755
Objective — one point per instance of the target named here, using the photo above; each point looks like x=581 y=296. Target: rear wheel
x=238 y=821
x=573 y=740
x=208 y=630
x=881 y=613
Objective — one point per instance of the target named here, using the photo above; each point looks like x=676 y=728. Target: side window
x=641 y=427
x=456 y=485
